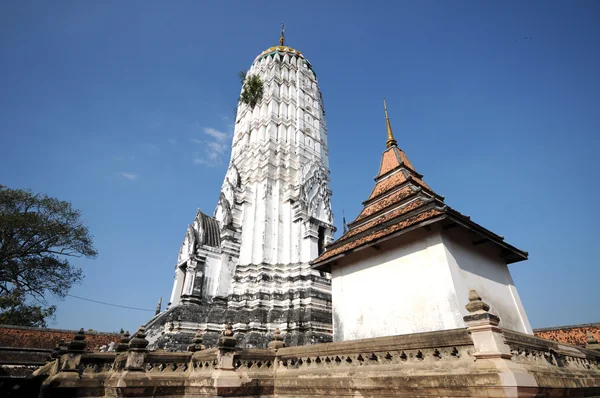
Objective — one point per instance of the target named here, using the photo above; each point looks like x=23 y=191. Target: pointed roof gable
x=208 y=230
x=400 y=202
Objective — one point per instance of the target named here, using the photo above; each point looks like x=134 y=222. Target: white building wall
x=481 y=268
x=212 y=270
x=177 y=286
x=419 y=282
x=404 y=287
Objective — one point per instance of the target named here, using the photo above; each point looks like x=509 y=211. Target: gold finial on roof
x=391 y=141
x=282 y=38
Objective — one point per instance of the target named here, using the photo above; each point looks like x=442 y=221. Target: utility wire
x=113 y=305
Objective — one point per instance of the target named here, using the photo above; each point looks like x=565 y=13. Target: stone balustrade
x=479 y=360
x=441 y=363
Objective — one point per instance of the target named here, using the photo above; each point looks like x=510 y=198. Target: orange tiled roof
x=397 y=202
x=389 y=200
x=417 y=203
x=575 y=335
x=401 y=200
x=391 y=159
x=394 y=170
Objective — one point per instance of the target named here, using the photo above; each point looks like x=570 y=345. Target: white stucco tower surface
x=276 y=191
x=273 y=217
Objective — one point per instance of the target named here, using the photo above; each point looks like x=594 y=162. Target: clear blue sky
x=111 y=105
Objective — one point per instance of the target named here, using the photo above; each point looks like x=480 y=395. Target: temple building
x=418 y=262
x=409 y=249
x=423 y=301
x=249 y=264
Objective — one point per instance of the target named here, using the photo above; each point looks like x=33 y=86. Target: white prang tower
x=273 y=217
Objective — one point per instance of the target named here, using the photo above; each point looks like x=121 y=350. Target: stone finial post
x=225 y=376
x=137 y=350
x=226 y=345
x=491 y=348
x=78 y=344
x=277 y=341
x=487 y=336
x=196 y=342
x=124 y=342
x=73 y=350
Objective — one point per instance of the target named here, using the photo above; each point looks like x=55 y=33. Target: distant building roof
x=570 y=334
x=400 y=202
x=43 y=338
x=23 y=349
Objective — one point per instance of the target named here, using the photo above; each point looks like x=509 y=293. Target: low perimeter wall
x=481 y=360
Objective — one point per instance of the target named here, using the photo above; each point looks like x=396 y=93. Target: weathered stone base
x=437 y=364
x=291 y=297
x=173 y=329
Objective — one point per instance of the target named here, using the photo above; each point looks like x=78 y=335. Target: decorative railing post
x=487 y=336
x=277 y=341
x=74 y=349
x=196 y=342
x=226 y=345
x=124 y=342
x=137 y=351
x=491 y=350
x=225 y=377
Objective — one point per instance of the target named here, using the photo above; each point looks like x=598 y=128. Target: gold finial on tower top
x=282 y=38
x=390 y=136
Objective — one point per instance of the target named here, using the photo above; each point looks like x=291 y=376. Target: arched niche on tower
x=282 y=133
x=264 y=109
x=309 y=143
x=256 y=112
x=273 y=107
x=299 y=137
x=283 y=110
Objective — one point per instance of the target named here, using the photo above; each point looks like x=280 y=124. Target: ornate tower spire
x=272 y=219
x=391 y=141
x=282 y=37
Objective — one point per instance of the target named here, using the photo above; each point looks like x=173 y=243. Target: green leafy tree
x=14 y=311
x=252 y=89
x=38 y=237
